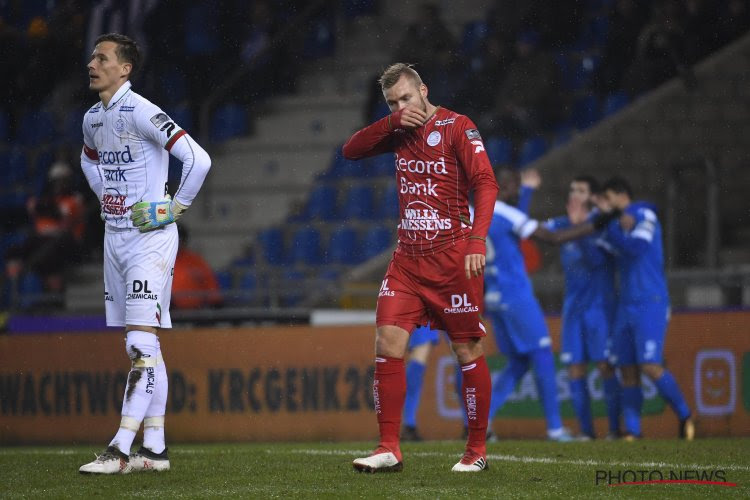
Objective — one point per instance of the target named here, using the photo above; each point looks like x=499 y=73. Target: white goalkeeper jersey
x=126 y=151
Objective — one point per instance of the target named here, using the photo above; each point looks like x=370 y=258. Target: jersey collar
x=118 y=95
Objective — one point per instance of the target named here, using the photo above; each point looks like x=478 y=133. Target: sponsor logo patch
x=159 y=119
x=447 y=121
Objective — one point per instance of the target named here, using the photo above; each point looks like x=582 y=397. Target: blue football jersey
x=588 y=266
x=505 y=270
x=640 y=257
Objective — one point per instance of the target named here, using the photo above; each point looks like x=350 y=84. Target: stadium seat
x=225 y=279
x=375 y=241
x=614 y=102
x=320 y=40
x=182 y=116
x=305 y=246
x=381 y=110
x=229 y=121
x=499 y=150
x=174 y=88
x=358 y=202
x=585 y=112
x=387 y=207
x=382 y=165
x=248 y=285
x=293 y=287
x=341 y=167
x=271 y=242
x=532 y=149
x=576 y=69
x=71 y=127
x=17 y=167
x=30 y=287
x=35 y=128
x=342 y=247
x=322 y=203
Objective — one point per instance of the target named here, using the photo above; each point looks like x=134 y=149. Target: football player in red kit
x=435 y=274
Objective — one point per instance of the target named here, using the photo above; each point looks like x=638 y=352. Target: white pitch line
x=541 y=460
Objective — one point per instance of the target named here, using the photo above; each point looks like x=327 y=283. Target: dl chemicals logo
x=524 y=401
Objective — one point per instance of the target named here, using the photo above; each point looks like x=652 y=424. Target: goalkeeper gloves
x=150 y=215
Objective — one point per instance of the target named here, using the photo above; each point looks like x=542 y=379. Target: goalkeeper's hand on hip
x=150 y=215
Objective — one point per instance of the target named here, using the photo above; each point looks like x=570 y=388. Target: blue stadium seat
x=174 y=87
x=532 y=149
x=381 y=111
x=229 y=121
x=182 y=116
x=225 y=279
x=36 y=127
x=576 y=69
x=17 y=167
x=585 y=112
x=248 y=285
x=376 y=240
x=305 y=246
x=342 y=247
x=358 y=202
x=30 y=287
x=293 y=286
x=614 y=102
x=271 y=242
x=499 y=150
x=71 y=127
x=322 y=203
x=387 y=207
x=320 y=40
x=341 y=167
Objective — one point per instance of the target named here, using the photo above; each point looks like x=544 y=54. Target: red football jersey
x=437 y=165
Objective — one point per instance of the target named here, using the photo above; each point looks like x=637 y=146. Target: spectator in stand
x=194 y=285
x=58 y=228
x=528 y=99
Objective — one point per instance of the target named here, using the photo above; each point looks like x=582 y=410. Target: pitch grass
x=518 y=469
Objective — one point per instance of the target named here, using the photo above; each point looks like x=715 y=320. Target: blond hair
x=394 y=72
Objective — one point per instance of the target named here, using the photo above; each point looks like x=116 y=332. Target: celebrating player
x=126 y=145
x=517 y=319
x=436 y=271
x=588 y=308
x=642 y=309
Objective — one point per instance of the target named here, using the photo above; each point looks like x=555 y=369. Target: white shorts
x=138 y=270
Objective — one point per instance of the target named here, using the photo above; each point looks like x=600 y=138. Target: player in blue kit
x=517 y=319
x=643 y=308
x=588 y=308
x=420 y=344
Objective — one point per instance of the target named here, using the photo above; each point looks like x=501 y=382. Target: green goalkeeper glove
x=150 y=215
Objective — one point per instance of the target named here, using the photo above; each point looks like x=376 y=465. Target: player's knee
x=467 y=351
x=421 y=353
x=605 y=369
x=576 y=371
x=391 y=341
x=630 y=375
x=653 y=370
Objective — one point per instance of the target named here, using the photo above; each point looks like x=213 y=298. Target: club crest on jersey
x=120 y=126
x=434 y=138
x=473 y=133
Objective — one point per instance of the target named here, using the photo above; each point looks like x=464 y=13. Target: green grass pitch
x=518 y=469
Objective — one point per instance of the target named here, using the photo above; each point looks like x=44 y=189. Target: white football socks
x=153 y=423
x=143 y=350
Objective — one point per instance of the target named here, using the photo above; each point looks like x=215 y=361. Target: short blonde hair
x=393 y=72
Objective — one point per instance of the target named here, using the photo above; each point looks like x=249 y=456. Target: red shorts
x=433 y=288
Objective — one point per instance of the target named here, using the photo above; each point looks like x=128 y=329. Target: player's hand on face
x=601 y=202
x=410 y=117
x=576 y=212
x=530 y=178
x=474 y=265
x=627 y=222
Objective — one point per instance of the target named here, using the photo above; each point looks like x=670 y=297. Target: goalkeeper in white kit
x=127 y=141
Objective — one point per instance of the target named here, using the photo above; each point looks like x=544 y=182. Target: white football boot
x=471 y=462
x=112 y=461
x=382 y=460
x=146 y=460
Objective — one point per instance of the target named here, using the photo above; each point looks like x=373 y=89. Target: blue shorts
x=519 y=326
x=638 y=333
x=585 y=334
x=422 y=335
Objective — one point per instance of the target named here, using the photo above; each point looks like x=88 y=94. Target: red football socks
x=389 y=392
x=476 y=389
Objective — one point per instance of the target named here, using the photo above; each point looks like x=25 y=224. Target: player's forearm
x=560 y=236
x=195 y=166
x=485 y=194
x=524 y=200
x=369 y=141
x=625 y=243
x=92 y=173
